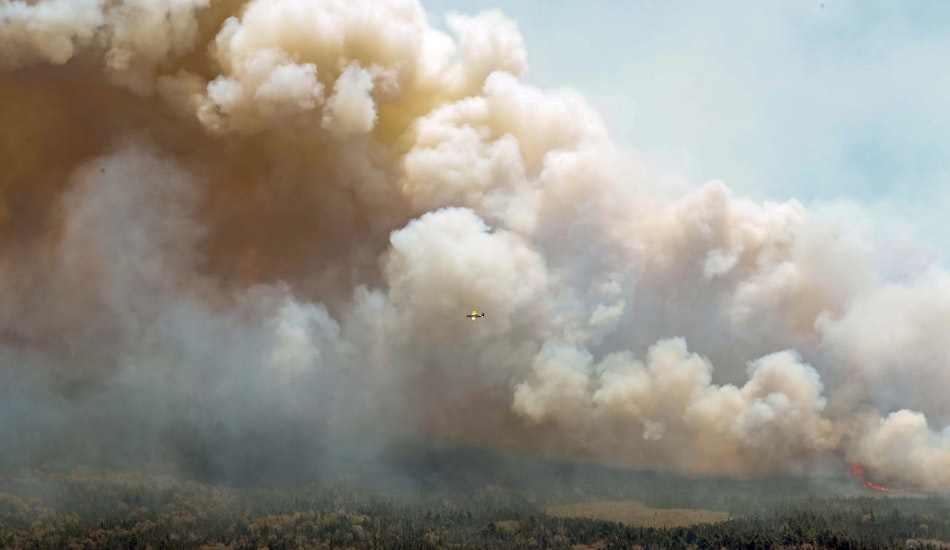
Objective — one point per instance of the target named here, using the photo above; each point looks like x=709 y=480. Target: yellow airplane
x=475 y=315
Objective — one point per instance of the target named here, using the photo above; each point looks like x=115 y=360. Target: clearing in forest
x=636 y=513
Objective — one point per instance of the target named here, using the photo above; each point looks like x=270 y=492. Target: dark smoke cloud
x=244 y=235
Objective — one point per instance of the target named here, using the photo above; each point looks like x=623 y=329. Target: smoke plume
x=238 y=233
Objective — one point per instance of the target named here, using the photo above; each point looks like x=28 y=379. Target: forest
x=419 y=503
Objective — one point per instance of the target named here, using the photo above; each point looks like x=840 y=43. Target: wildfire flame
x=858 y=471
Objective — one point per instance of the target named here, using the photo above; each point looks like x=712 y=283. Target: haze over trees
x=85 y=508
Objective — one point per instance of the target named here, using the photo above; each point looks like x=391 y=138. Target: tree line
x=88 y=509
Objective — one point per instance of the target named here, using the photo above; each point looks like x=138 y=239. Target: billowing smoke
x=238 y=233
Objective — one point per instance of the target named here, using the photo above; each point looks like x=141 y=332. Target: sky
x=830 y=103
x=243 y=236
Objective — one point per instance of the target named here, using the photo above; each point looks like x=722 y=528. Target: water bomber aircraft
x=475 y=315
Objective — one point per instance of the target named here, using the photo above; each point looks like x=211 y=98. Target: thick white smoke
x=239 y=230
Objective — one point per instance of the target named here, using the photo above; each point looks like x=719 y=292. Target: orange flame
x=858 y=471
